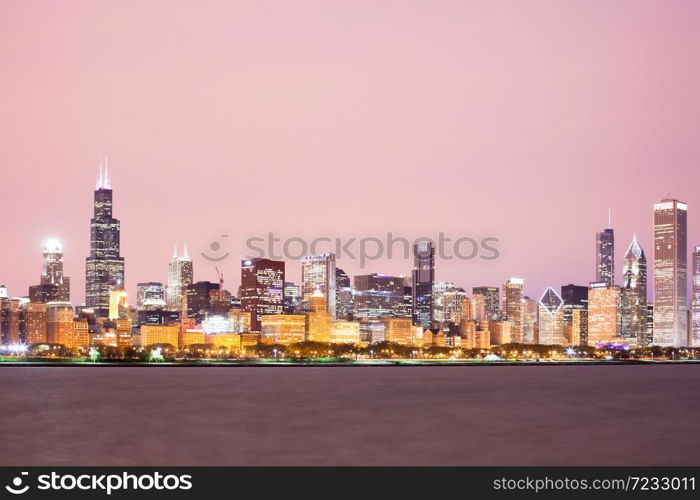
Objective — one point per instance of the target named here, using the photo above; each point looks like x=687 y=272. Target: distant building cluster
x=327 y=306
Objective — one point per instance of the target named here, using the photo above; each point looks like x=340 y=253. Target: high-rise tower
x=634 y=295
x=670 y=273
x=423 y=281
x=695 y=306
x=53 y=285
x=104 y=268
x=318 y=273
x=180 y=274
x=605 y=255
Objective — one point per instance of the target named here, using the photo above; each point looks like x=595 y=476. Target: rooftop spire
x=107 y=182
x=99 y=178
x=609 y=217
x=185 y=256
x=174 y=250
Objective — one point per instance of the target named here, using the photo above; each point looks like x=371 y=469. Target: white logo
x=17 y=482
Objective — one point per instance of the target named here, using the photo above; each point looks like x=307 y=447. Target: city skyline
x=379 y=306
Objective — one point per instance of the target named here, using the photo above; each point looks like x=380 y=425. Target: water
x=535 y=415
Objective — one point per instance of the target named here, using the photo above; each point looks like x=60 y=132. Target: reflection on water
x=543 y=415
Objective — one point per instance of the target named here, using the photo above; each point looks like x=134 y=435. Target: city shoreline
x=375 y=364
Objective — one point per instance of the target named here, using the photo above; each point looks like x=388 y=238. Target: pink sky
x=523 y=120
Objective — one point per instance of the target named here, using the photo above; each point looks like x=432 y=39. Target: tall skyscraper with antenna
x=104 y=268
x=180 y=274
x=605 y=254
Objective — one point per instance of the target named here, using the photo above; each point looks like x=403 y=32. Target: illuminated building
x=219 y=301
x=104 y=268
x=214 y=324
x=292 y=298
x=551 y=314
x=633 y=296
x=35 y=323
x=695 y=300
x=198 y=297
x=378 y=295
x=118 y=306
x=320 y=321
x=150 y=296
x=180 y=276
x=478 y=307
x=262 y=289
x=318 y=273
x=575 y=297
x=160 y=316
x=345 y=332
x=53 y=285
x=513 y=307
x=605 y=256
x=670 y=273
x=240 y=320
x=398 y=330
x=578 y=327
x=159 y=334
x=80 y=338
x=371 y=330
x=10 y=310
x=191 y=336
x=501 y=332
x=447 y=302
x=344 y=303
x=227 y=341
x=423 y=280
x=123 y=332
x=491 y=299
x=530 y=318
x=604 y=316
x=284 y=328
x=59 y=323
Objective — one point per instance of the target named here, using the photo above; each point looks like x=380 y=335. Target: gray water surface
x=543 y=415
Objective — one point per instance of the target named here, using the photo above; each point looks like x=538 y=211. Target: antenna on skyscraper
x=609 y=217
x=107 y=183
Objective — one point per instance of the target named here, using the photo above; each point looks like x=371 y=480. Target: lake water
x=487 y=415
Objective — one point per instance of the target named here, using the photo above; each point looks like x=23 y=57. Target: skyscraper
x=634 y=295
x=575 y=298
x=343 y=295
x=605 y=256
x=670 y=273
x=262 y=289
x=53 y=285
x=292 y=299
x=448 y=302
x=604 y=317
x=180 y=274
x=695 y=308
x=423 y=280
x=491 y=298
x=318 y=273
x=104 y=268
x=551 y=316
x=513 y=307
x=150 y=295
x=378 y=295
